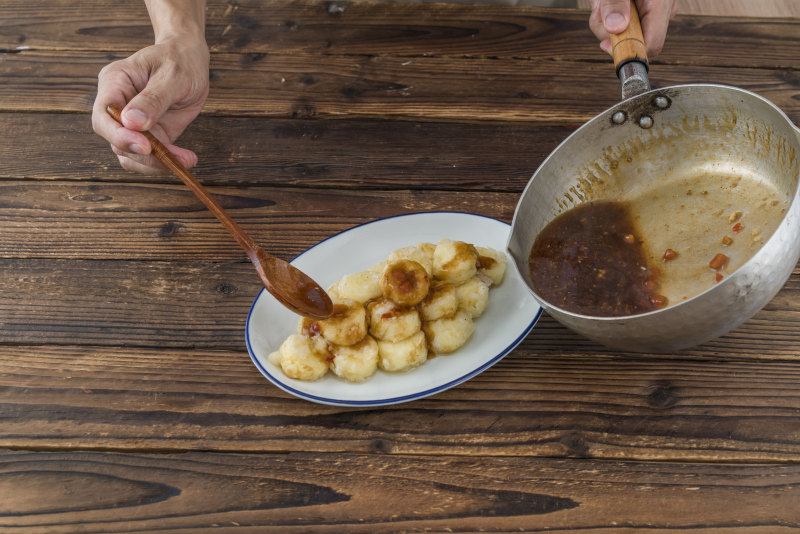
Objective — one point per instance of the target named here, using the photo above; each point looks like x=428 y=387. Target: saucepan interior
x=690 y=162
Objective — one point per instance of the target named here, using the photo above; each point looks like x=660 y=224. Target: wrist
x=182 y=20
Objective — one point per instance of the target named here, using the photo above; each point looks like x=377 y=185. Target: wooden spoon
x=291 y=286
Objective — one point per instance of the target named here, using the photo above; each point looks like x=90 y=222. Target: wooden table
x=128 y=401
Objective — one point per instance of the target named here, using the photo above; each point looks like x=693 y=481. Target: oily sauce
x=589 y=260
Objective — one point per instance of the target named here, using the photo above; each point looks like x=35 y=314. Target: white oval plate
x=511 y=314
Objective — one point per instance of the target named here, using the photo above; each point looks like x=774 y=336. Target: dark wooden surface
x=128 y=401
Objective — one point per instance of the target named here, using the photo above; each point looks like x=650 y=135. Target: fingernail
x=614 y=22
x=136 y=116
x=137 y=149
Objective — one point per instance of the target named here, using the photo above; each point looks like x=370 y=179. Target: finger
x=113 y=87
x=596 y=22
x=128 y=141
x=146 y=108
x=132 y=165
x=654 y=26
x=187 y=158
x=615 y=14
x=139 y=164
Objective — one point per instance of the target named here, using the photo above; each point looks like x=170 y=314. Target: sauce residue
x=589 y=260
x=405 y=282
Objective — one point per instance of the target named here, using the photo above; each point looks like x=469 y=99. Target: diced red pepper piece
x=718 y=262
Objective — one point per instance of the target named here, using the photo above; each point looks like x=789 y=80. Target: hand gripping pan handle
x=630 y=57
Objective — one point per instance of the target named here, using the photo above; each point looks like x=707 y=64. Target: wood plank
x=529 y=405
x=129 y=303
x=127 y=397
x=122 y=232
x=487 y=31
x=309 y=27
x=380 y=87
x=112 y=492
x=205 y=304
x=389 y=28
x=51 y=220
x=67 y=246
x=342 y=154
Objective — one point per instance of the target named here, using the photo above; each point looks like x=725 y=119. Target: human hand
x=613 y=16
x=161 y=88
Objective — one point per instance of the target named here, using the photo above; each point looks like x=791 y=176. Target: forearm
x=177 y=18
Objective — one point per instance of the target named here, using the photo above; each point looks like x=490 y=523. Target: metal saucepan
x=693 y=162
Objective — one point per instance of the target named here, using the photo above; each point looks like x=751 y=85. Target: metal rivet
x=645 y=122
x=661 y=102
x=618 y=117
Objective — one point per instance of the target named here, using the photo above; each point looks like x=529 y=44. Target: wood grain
x=125 y=303
x=128 y=401
x=205 y=304
x=374 y=494
x=51 y=220
x=383 y=87
x=575 y=404
x=174 y=269
x=392 y=28
x=341 y=154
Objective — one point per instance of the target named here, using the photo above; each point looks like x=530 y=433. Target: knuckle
x=109 y=69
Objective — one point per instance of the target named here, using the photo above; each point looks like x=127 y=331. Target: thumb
x=145 y=109
x=615 y=14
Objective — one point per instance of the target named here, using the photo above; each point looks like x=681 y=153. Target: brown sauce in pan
x=589 y=260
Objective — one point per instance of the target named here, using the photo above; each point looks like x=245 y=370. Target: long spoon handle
x=171 y=162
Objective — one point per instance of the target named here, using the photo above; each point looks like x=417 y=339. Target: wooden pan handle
x=629 y=45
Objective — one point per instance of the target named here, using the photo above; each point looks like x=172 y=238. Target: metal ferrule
x=633 y=78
